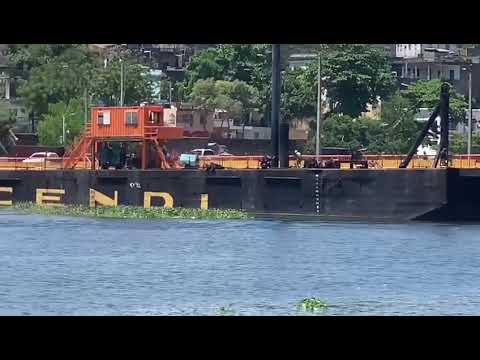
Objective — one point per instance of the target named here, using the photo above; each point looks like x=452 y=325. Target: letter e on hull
x=8 y=190
x=44 y=197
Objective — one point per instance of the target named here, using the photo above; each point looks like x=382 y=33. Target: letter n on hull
x=97 y=197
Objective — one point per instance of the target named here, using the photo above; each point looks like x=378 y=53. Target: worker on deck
x=298 y=158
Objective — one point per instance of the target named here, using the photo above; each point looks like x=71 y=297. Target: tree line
x=59 y=80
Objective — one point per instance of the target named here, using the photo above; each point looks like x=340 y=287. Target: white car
x=40 y=157
x=209 y=152
x=203 y=152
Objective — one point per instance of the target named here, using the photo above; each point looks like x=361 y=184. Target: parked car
x=40 y=157
x=203 y=152
x=211 y=152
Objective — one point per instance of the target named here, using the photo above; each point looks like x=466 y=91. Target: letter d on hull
x=147 y=199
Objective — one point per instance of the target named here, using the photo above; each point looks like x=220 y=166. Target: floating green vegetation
x=132 y=212
x=226 y=311
x=312 y=305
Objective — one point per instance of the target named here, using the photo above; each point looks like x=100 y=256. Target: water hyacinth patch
x=312 y=305
x=132 y=212
x=226 y=311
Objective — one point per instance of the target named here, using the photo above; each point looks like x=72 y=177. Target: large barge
x=441 y=192
x=393 y=194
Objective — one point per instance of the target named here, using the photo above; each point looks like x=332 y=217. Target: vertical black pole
x=444 y=117
x=32 y=114
x=283 y=144
x=445 y=112
x=276 y=84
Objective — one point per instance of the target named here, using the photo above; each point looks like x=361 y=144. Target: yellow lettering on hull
x=147 y=199
x=44 y=195
x=204 y=201
x=6 y=202
x=97 y=197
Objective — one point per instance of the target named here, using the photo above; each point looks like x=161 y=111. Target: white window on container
x=103 y=118
x=155 y=117
x=131 y=118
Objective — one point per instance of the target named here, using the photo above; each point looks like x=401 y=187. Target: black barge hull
x=395 y=194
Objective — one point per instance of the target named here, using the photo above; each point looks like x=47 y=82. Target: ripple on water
x=77 y=266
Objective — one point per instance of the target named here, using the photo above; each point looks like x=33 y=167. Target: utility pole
x=469 y=150
x=85 y=106
x=319 y=106
x=170 y=88
x=160 y=91
x=63 y=129
x=121 y=83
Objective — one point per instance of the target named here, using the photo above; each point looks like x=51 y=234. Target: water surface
x=84 y=266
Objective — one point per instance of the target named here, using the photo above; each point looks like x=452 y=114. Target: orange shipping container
x=131 y=122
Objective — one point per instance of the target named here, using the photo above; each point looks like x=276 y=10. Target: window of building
x=439 y=74
x=103 y=118
x=452 y=75
x=203 y=119
x=131 y=118
x=186 y=119
x=256 y=135
x=418 y=73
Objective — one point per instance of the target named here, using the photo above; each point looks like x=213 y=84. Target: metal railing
x=20 y=163
x=253 y=162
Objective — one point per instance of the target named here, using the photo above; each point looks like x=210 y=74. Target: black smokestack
x=276 y=84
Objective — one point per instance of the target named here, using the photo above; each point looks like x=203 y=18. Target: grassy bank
x=131 y=212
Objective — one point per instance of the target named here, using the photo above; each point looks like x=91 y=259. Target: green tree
x=236 y=97
x=345 y=131
x=399 y=126
x=299 y=95
x=426 y=94
x=250 y=63
x=205 y=65
x=28 y=56
x=458 y=143
x=105 y=83
x=53 y=73
x=6 y=119
x=356 y=75
x=50 y=128
x=60 y=72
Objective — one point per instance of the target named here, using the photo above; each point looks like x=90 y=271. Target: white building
x=409 y=51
